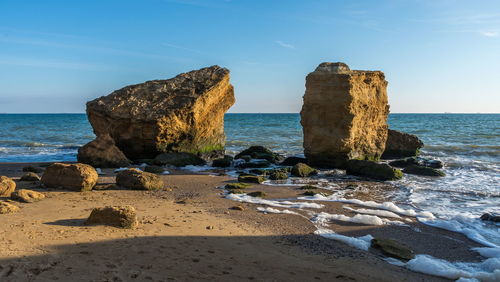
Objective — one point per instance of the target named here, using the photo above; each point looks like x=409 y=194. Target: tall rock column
x=344 y=115
x=181 y=114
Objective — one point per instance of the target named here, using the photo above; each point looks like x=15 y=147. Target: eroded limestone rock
x=102 y=153
x=27 y=196
x=118 y=216
x=401 y=145
x=182 y=114
x=7 y=186
x=139 y=180
x=75 y=177
x=344 y=115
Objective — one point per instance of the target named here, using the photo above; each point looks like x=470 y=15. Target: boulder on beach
x=181 y=114
x=401 y=145
x=178 y=159
x=291 y=161
x=225 y=161
x=118 y=216
x=344 y=115
x=102 y=153
x=379 y=171
x=248 y=178
x=6 y=207
x=154 y=169
x=393 y=248
x=7 y=186
x=27 y=196
x=423 y=170
x=260 y=153
x=30 y=176
x=139 y=180
x=75 y=177
x=303 y=170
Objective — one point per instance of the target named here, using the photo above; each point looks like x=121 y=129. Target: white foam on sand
x=373 y=212
x=271 y=210
x=324 y=217
x=362 y=243
x=487 y=270
x=470 y=227
x=99 y=171
x=120 y=169
x=389 y=206
x=273 y=203
x=488 y=252
x=196 y=168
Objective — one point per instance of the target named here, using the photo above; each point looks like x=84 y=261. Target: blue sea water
x=469 y=144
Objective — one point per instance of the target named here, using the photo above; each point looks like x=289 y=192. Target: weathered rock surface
x=226 y=161
x=248 y=178
x=423 y=170
x=344 y=115
x=6 y=207
x=139 y=180
x=75 y=177
x=182 y=114
x=27 y=196
x=393 y=248
x=118 y=216
x=303 y=170
x=401 y=145
x=30 y=176
x=261 y=153
x=7 y=186
x=102 y=153
x=178 y=159
x=373 y=170
x=291 y=161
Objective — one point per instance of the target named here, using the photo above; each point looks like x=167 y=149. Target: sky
x=438 y=55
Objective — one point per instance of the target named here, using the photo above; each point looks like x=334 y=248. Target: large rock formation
x=344 y=115
x=401 y=145
x=182 y=114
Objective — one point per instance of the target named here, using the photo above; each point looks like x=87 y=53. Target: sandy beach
x=188 y=232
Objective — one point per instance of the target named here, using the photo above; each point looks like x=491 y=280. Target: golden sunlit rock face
x=182 y=114
x=344 y=115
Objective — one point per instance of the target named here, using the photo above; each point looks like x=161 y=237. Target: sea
x=468 y=144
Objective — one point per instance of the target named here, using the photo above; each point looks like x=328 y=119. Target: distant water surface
x=469 y=144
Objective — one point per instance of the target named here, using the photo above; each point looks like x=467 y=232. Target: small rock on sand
x=30 y=176
x=7 y=186
x=118 y=216
x=393 y=248
x=27 y=196
x=6 y=207
x=140 y=180
x=75 y=177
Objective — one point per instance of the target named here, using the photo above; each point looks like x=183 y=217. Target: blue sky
x=438 y=56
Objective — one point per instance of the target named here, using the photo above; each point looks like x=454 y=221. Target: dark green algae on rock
x=379 y=171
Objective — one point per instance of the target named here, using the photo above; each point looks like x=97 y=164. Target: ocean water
x=469 y=144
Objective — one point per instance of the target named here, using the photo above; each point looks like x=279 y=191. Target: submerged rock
x=6 y=207
x=423 y=170
x=401 y=145
x=260 y=152
x=75 y=177
x=344 y=115
x=27 y=196
x=30 y=176
x=7 y=186
x=303 y=170
x=259 y=163
x=102 y=153
x=178 y=159
x=139 y=180
x=181 y=114
x=373 y=170
x=490 y=217
x=417 y=161
x=393 y=248
x=118 y=216
x=223 y=162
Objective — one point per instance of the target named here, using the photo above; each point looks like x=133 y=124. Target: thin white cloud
x=181 y=48
x=489 y=33
x=284 y=45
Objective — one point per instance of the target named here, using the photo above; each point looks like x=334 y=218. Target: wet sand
x=188 y=232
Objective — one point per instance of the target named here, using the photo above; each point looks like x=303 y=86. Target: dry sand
x=189 y=233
